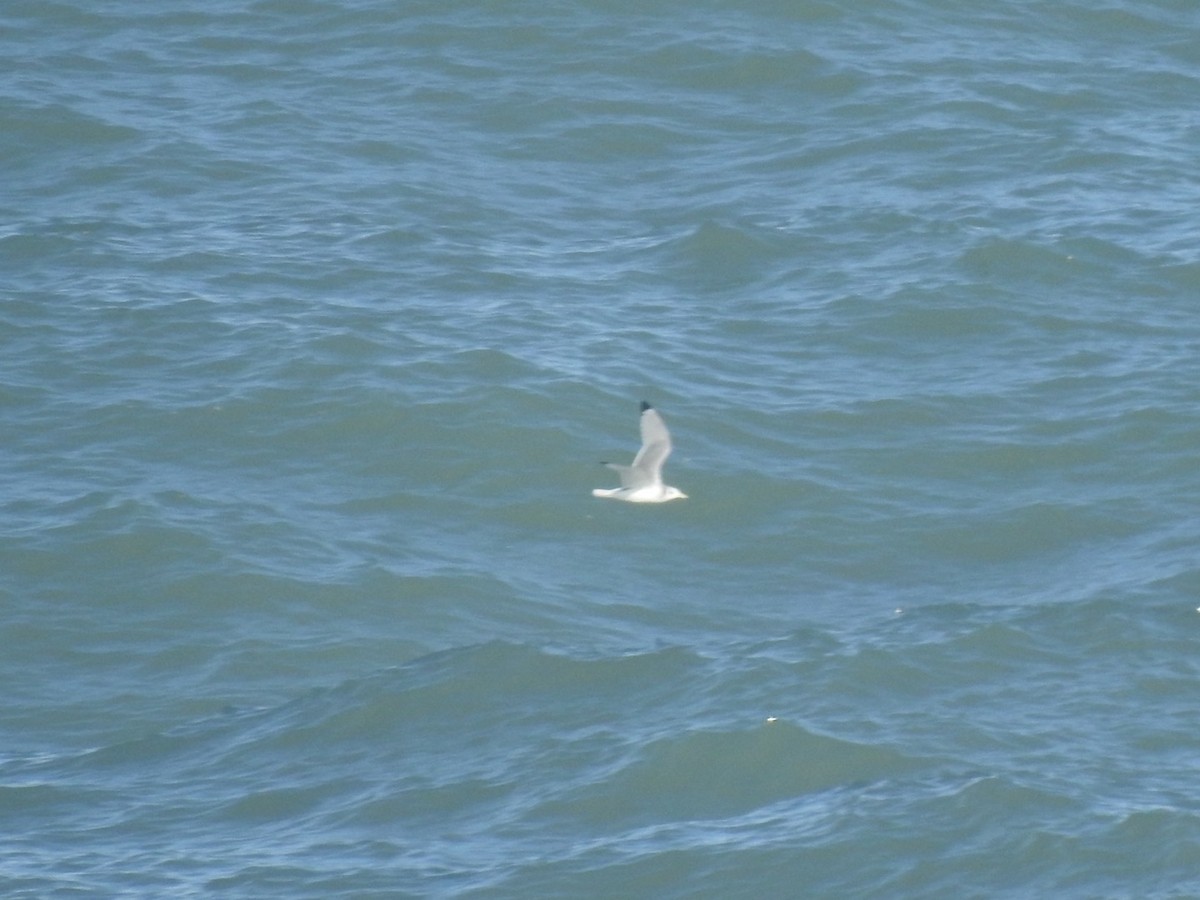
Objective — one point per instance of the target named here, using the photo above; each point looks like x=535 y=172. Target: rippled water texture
x=316 y=318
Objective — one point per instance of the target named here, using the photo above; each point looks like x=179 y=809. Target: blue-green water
x=315 y=318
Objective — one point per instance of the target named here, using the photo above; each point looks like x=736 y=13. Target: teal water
x=316 y=318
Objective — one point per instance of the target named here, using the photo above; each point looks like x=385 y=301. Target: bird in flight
x=642 y=481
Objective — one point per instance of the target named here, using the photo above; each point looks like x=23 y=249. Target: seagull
x=642 y=482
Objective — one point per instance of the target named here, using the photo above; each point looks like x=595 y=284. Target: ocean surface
x=316 y=317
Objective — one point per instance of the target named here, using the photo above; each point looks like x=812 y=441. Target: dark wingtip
x=646 y=406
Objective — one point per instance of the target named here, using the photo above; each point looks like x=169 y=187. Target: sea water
x=316 y=317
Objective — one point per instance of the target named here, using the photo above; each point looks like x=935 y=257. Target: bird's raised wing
x=656 y=447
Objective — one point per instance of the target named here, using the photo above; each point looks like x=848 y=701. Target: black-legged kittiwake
x=642 y=482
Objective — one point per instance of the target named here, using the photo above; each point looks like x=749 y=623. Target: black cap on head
x=646 y=406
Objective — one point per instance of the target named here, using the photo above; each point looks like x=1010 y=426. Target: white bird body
x=642 y=481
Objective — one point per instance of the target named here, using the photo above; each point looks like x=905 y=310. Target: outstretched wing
x=627 y=473
x=656 y=447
